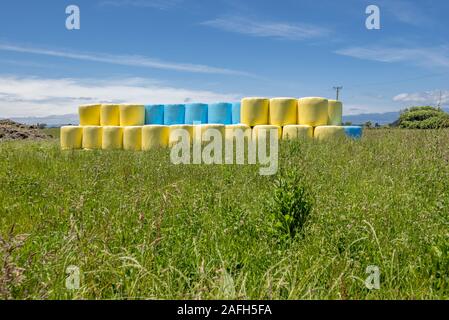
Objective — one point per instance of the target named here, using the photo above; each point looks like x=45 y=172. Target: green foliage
x=139 y=227
x=291 y=204
x=423 y=118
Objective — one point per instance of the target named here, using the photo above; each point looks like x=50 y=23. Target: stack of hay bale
x=139 y=127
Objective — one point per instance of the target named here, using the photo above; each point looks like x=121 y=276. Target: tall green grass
x=140 y=227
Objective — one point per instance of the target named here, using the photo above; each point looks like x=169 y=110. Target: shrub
x=423 y=118
x=290 y=205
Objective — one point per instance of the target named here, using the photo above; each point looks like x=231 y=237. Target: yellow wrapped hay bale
x=297 y=132
x=92 y=137
x=283 y=111
x=89 y=114
x=200 y=130
x=155 y=137
x=132 y=138
x=313 y=111
x=71 y=137
x=132 y=115
x=230 y=131
x=329 y=133
x=335 y=113
x=112 y=138
x=174 y=133
x=254 y=111
x=110 y=115
x=257 y=130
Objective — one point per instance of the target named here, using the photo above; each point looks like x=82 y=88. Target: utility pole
x=439 y=101
x=338 y=91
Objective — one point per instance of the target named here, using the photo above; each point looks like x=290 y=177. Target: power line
x=338 y=91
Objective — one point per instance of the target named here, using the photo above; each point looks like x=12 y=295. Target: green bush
x=290 y=206
x=423 y=118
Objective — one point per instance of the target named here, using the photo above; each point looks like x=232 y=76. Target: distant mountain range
x=57 y=121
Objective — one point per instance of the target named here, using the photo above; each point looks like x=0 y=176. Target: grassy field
x=140 y=227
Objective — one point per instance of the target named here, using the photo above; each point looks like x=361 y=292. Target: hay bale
x=335 y=113
x=154 y=137
x=92 y=137
x=329 y=133
x=254 y=111
x=112 y=138
x=174 y=114
x=89 y=114
x=290 y=132
x=132 y=138
x=354 y=132
x=313 y=111
x=154 y=114
x=236 y=106
x=231 y=130
x=110 y=115
x=265 y=129
x=173 y=137
x=283 y=111
x=71 y=137
x=132 y=115
x=200 y=130
x=196 y=113
x=220 y=113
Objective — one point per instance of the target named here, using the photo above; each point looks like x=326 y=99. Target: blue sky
x=156 y=51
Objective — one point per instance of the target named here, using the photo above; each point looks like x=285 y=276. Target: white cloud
x=423 y=56
x=424 y=98
x=261 y=28
x=32 y=96
x=127 y=60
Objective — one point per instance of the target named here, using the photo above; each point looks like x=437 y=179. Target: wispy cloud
x=408 y=12
x=424 y=98
x=422 y=56
x=33 y=96
x=155 y=4
x=127 y=60
x=263 y=28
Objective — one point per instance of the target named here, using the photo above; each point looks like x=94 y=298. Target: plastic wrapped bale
x=196 y=113
x=335 y=113
x=236 y=106
x=89 y=114
x=71 y=137
x=354 y=132
x=254 y=111
x=174 y=131
x=110 y=115
x=257 y=130
x=174 y=114
x=200 y=130
x=322 y=133
x=154 y=114
x=112 y=138
x=92 y=137
x=283 y=111
x=132 y=115
x=313 y=111
x=232 y=129
x=220 y=113
x=297 y=132
x=132 y=138
x=154 y=137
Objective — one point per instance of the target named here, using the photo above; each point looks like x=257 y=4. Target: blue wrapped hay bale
x=220 y=113
x=154 y=114
x=236 y=112
x=174 y=114
x=354 y=132
x=196 y=113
